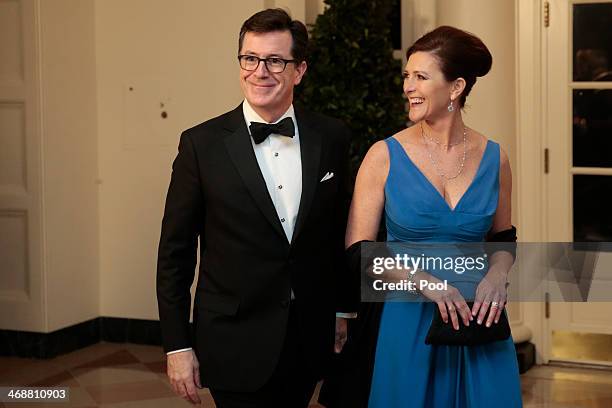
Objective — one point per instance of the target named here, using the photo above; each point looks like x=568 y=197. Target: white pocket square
x=327 y=176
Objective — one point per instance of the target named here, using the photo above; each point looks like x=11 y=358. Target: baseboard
x=48 y=345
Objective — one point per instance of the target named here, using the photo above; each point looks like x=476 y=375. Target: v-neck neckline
x=433 y=187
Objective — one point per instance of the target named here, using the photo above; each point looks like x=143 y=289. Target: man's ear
x=300 y=70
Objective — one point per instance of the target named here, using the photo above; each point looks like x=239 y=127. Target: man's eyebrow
x=273 y=55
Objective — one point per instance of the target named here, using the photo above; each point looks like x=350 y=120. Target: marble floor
x=133 y=376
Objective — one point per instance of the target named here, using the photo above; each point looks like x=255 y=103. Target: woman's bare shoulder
x=482 y=140
x=407 y=136
x=477 y=139
x=377 y=156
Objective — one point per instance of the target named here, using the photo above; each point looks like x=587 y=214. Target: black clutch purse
x=443 y=334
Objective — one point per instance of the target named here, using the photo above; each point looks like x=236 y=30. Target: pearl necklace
x=439 y=171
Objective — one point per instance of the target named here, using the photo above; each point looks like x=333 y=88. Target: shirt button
x=276 y=154
x=282 y=220
x=280 y=187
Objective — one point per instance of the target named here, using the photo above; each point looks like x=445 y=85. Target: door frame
x=531 y=182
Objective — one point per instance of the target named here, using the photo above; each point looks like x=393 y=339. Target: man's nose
x=262 y=70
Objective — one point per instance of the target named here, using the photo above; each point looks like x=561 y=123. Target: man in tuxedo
x=265 y=189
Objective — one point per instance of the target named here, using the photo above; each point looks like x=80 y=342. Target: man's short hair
x=271 y=20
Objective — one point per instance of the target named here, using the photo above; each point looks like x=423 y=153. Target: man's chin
x=260 y=102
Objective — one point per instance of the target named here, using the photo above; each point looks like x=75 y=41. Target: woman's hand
x=449 y=301
x=491 y=296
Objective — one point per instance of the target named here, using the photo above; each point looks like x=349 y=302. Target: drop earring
x=450 y=106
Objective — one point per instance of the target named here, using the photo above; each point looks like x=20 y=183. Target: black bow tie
x=260 y=131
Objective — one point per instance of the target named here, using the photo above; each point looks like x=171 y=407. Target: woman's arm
x=502 y=261
x=491 y=293
x=369 y=196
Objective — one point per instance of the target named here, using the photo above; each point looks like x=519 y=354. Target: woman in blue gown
x=437 y=181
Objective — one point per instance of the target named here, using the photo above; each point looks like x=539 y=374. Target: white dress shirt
x=280 y=163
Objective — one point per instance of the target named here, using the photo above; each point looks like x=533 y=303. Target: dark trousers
x=290 y=386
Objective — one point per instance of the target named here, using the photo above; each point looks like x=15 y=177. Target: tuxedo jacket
x=247 y=266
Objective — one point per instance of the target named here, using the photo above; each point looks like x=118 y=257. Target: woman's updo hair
x=460 y=55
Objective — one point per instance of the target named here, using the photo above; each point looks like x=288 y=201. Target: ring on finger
x=494 y=304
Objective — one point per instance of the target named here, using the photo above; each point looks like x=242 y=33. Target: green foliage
x=352 y=74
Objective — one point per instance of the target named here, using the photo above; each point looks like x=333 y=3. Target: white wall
x=491 y=104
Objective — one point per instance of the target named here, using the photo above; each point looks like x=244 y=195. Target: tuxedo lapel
x=240 y=149
x=310 y=148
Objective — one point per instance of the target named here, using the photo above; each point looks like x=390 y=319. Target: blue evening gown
x=407 y=372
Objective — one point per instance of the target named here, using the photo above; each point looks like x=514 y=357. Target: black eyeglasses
x=274 y=64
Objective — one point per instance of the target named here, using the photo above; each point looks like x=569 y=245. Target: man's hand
x=341 y=334
x=184 y=374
